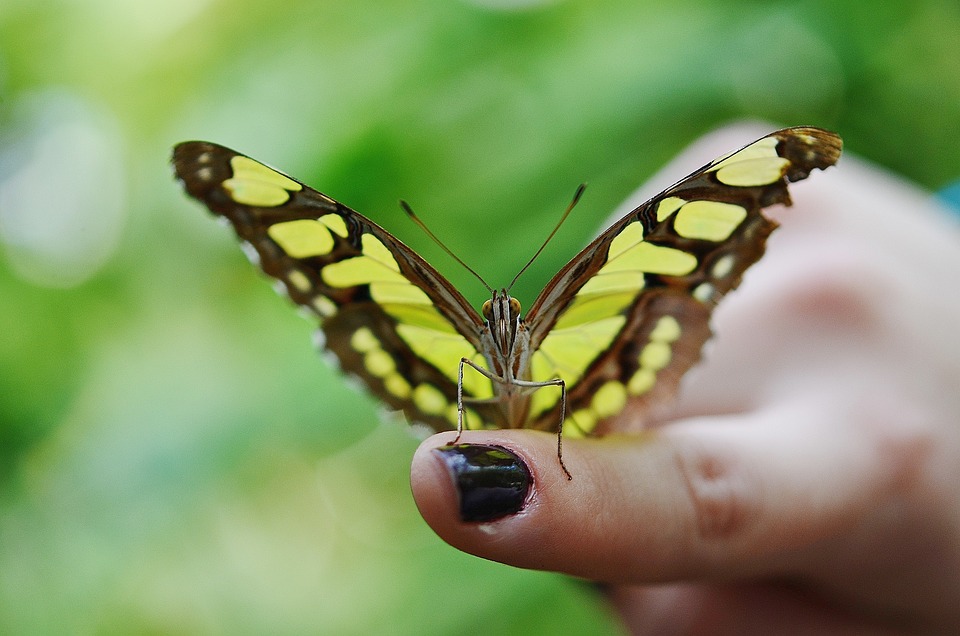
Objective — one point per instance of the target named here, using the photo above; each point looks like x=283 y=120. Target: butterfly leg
x=563 y=413
x=459 y=402
x=460 y=409
x=527 y=384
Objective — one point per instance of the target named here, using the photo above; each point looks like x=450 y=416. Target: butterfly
x=619 y=324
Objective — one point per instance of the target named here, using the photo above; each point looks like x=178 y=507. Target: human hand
x=807 y=479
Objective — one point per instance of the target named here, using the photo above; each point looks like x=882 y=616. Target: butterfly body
x=507 y=343
x=619 y=324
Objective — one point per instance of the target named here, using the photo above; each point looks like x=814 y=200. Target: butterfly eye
x=514 y=307
x=487 y=310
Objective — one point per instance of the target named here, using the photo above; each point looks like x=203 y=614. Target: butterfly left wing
x=388 y=316
x=630 y=313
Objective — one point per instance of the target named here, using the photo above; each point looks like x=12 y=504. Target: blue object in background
x=951 y=196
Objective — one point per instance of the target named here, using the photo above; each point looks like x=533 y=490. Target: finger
x=713 y=497
x=735 y=609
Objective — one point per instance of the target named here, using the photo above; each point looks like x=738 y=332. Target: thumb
x=734 y=496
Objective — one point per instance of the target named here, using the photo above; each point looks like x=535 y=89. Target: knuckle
x=839 y=288
x=902 y=436
x=718 y=492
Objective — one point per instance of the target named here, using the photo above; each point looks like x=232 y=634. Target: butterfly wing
x=630 y=313
x=389 y=317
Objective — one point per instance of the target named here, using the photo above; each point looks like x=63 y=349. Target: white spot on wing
x=704 y=292
x=307 y=314
x=319 y=337
x=723 y=266
x=331 y=358
x=355 y=382
x=280 y=288
x=251 y=253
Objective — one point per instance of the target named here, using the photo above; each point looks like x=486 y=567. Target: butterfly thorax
x=506 y=342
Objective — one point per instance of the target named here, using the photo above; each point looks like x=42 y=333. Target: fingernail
x=492 y=481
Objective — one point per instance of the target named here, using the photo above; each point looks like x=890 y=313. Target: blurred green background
x=174 y=457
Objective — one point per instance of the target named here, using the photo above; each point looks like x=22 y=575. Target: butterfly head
x=502 y=314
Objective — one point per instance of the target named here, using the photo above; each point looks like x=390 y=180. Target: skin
x=807 y=478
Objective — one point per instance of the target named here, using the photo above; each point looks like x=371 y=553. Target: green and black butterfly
x=621 y=322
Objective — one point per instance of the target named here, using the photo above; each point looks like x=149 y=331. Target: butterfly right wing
x=628 y=316
x=388 y=316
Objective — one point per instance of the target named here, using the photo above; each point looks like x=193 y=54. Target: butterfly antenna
x=423 y=226
x=566 y=213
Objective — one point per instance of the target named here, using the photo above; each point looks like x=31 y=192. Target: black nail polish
x=492 y=481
